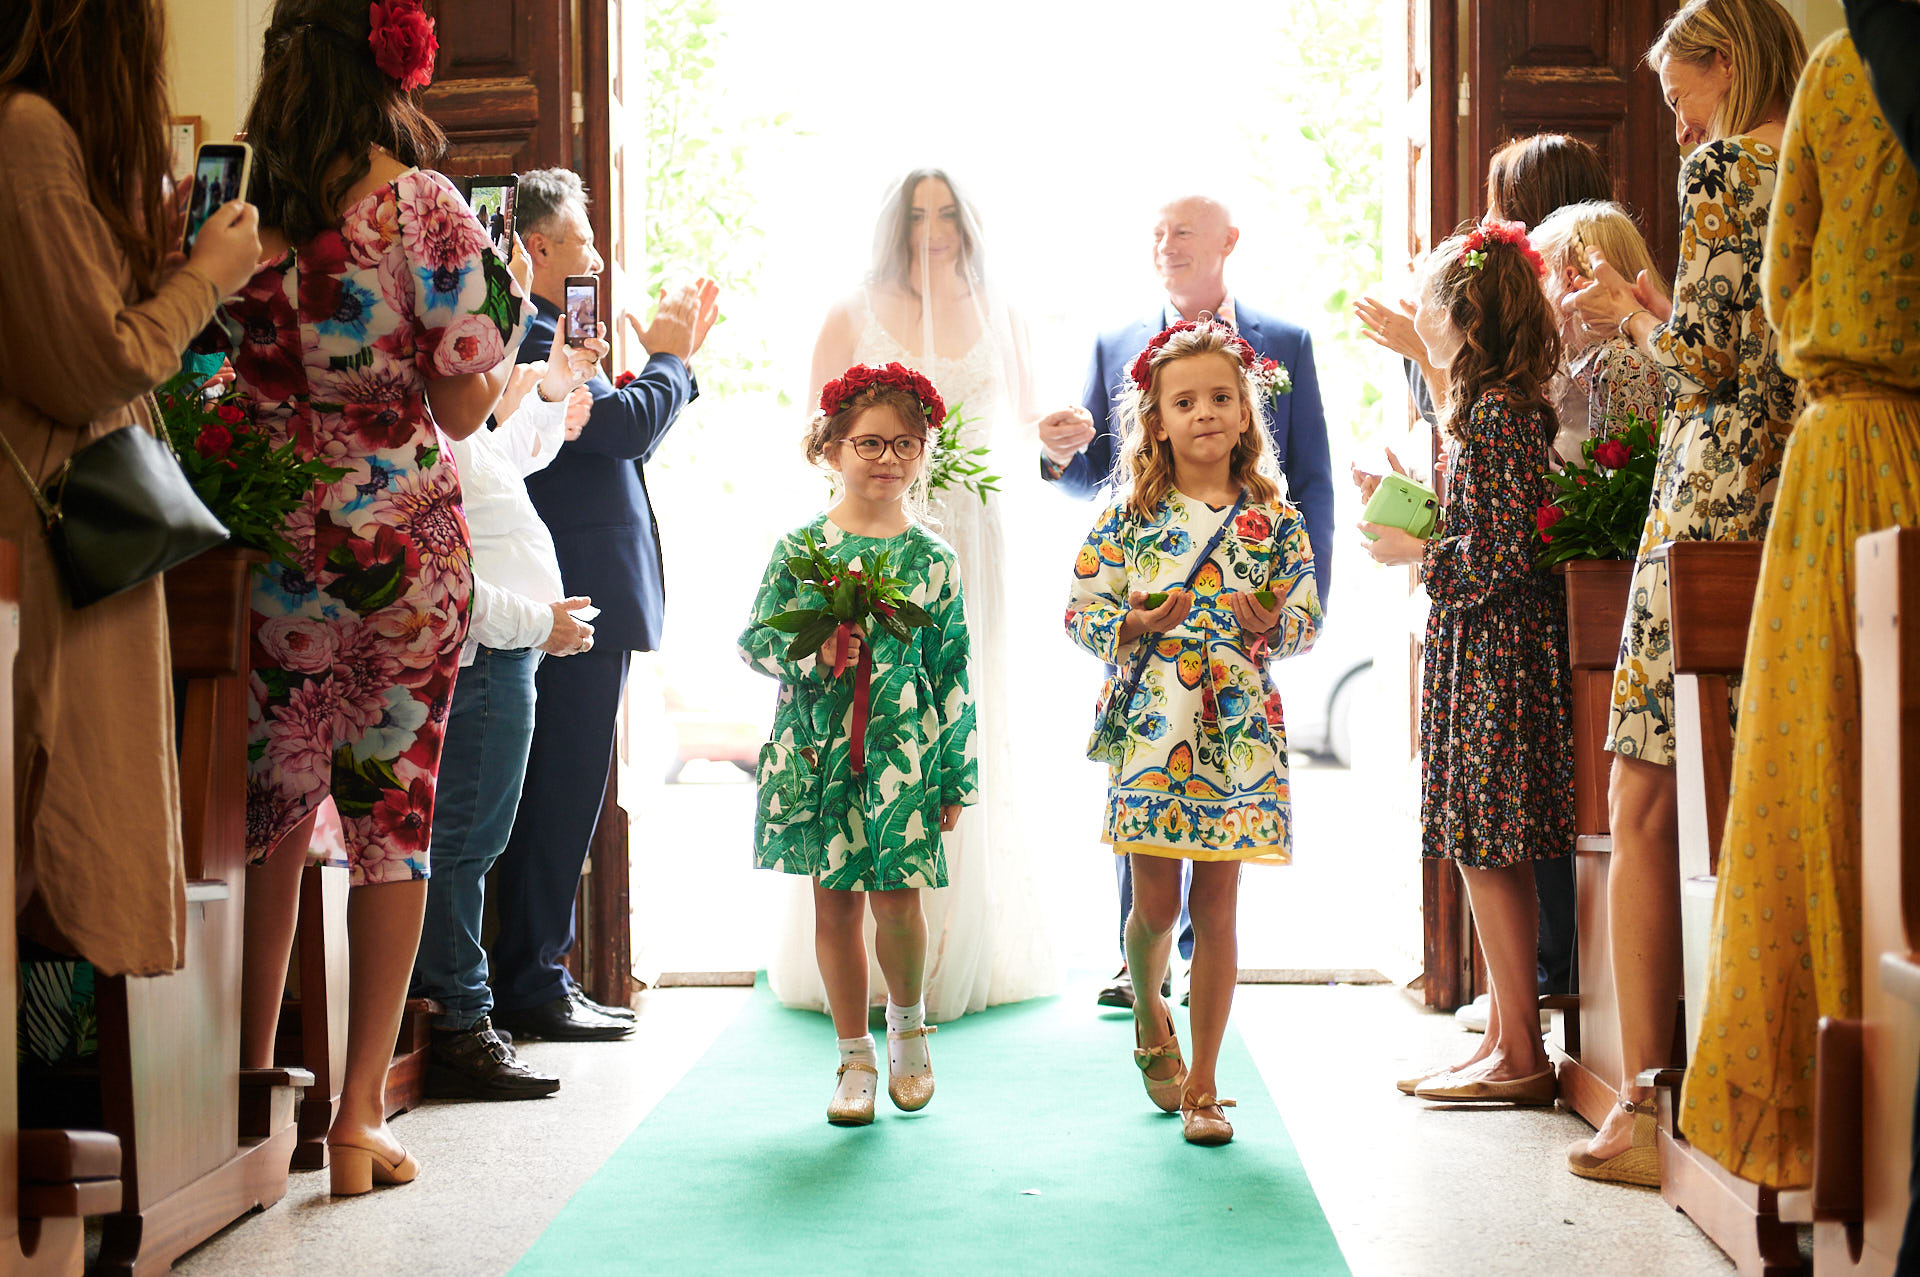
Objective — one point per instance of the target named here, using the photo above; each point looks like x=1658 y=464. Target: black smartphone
x=583 y=308
x=492 y=199
x=221 y=172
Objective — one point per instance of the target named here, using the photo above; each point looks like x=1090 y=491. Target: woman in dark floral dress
x=381 y=325
x=1496 y=714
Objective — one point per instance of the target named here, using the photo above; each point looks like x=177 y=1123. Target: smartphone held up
x=492 y=200
x=583 y=308
x=222 y=172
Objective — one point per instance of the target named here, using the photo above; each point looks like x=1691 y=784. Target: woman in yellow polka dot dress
x=1842 y=287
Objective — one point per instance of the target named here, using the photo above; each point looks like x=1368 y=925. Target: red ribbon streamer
x=862 y=681
x=840 y=637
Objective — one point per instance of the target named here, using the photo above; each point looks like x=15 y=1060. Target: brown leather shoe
x=1537 y=1088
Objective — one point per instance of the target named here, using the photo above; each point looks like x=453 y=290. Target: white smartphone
x=586 y=613
x=221 y=172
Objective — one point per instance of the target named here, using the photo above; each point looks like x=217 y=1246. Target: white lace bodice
x=973 y=380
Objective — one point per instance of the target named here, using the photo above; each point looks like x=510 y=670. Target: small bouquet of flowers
x=248 y=483
x=1600 y=504
x=1273 y=379
x=952 y=465
x=868 y=598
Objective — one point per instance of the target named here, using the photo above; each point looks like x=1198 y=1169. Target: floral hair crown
x=1268 y=373
x=403 y=42
x=835 y=394
x=1491 y=231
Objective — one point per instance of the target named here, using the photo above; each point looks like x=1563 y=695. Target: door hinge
x=1466 y=95
x=580 y=109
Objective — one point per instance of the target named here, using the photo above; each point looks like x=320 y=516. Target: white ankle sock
x=857 y=1083
x=908 y=1057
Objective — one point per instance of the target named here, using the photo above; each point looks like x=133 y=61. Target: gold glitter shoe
x=1163 y=1091
x=858 y=1109
x=910 y=1094
x=1200 y=1123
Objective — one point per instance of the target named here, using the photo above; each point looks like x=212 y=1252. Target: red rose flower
x=231 y=413
x=403 y=42
x=1547 y=516
x=1612 y=453
x=214 y=441
x=1253 y=526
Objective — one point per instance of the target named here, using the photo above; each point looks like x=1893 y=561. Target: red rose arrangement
x=403 y=42
x=1491 y=231
x=1268 y=374
x=835 y=394
x=1596 y=507
x=251 y=485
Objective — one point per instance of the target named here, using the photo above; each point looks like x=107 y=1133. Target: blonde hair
x=1763 y=48
x=824 y=430
x=1147 y=462
x=1563 y=238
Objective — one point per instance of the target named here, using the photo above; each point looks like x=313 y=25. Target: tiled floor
x=1411 y=1189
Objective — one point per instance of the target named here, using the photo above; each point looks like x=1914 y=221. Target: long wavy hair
x=1147 y=461
x=322 y=100
x=1761 y=43
x=893 y=233
x=1529 y=178
x=101 y=63
x=1508 y=334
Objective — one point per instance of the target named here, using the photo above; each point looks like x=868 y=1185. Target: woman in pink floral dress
x=380 y=326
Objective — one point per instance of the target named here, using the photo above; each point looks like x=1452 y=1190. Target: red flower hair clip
x=1492 y=230
x=835 y=394
x=1142 y=370
x=403 y=42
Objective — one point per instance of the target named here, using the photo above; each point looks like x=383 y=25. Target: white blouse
x=516 y=576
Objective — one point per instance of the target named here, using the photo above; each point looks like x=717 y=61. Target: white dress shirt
x=516 y=576
x=1173 y=315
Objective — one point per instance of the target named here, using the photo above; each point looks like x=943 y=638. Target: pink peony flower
x=469 y=344
x=300 y=739
x=301 y=644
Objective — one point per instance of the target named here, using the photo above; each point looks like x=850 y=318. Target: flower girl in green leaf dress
x=872 y=757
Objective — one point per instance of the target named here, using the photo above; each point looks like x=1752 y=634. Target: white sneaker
x=1473 y=1016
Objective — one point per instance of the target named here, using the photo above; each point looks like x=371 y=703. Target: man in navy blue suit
x=1192 y=239
x=593 y=498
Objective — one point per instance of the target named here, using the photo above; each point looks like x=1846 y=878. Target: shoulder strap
x=1140 y=662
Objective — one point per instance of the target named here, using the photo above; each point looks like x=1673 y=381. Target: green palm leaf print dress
x=879 y=831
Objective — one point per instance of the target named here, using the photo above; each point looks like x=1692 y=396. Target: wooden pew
x=1711 y=587
x=49 y=1180
x=1863 y=1110
x=170 y=1079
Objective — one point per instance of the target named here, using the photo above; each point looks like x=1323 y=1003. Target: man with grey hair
x=1192 y=238
x=593 y=498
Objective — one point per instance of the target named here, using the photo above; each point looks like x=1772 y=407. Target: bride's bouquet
x=952 y=465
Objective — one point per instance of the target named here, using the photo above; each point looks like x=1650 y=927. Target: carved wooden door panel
x=503 y=86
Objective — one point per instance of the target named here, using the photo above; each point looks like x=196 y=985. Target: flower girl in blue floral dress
x=1193 y=579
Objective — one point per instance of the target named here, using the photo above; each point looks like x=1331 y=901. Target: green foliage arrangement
x=869 y=598
x=248 y=483
x=950 y=466
x=1599 y=507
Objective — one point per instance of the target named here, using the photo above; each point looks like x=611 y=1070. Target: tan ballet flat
x=1640 y=1164
x=859 y=1110
x=353 y=1170
x=1164 y=1092
x=1210 y=1129
x=1534 y=1089
x=1408 y=1085
x=910 y=1094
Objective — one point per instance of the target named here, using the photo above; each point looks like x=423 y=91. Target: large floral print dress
x=878 y=830
x=1721 y=444
x=1496 y=694
x=1204 y=772
x=355 y=652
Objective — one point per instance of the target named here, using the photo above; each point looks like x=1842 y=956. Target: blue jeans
x=482 y=765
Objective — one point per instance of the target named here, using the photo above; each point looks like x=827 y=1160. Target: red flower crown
x=403 y=42
x=1142 y=371
x=1491 y=231
x=835 y=394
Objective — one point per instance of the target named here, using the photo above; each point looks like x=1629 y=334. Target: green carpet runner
x=1040 y=1153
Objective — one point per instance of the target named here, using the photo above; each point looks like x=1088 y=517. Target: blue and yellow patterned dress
x=877 y=831
x=1205 y=769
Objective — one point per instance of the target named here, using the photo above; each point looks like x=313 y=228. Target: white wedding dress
x=987 y=939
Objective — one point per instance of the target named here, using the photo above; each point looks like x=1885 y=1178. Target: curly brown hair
x=323 y=100
x=101 y=64
x=826 y=429
x=1148 y=463
x=1508 y=335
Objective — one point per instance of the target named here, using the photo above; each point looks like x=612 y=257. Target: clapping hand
x=1254 y=617
x=569 y=367
x=1605 y=298
x=681 y=324
x=1141 y=619
x=1065 y=432
x=1384 y=326
x=1368 y=482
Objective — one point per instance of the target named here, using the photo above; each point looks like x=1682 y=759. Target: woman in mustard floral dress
x=1727 y=68
x=1842 y=286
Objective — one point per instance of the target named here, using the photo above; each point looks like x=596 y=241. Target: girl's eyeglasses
x=873 y=447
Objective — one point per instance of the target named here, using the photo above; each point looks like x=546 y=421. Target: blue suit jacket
x=593 y=495
x=1298 y=424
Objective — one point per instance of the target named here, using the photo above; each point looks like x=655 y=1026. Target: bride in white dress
x=925 y=304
